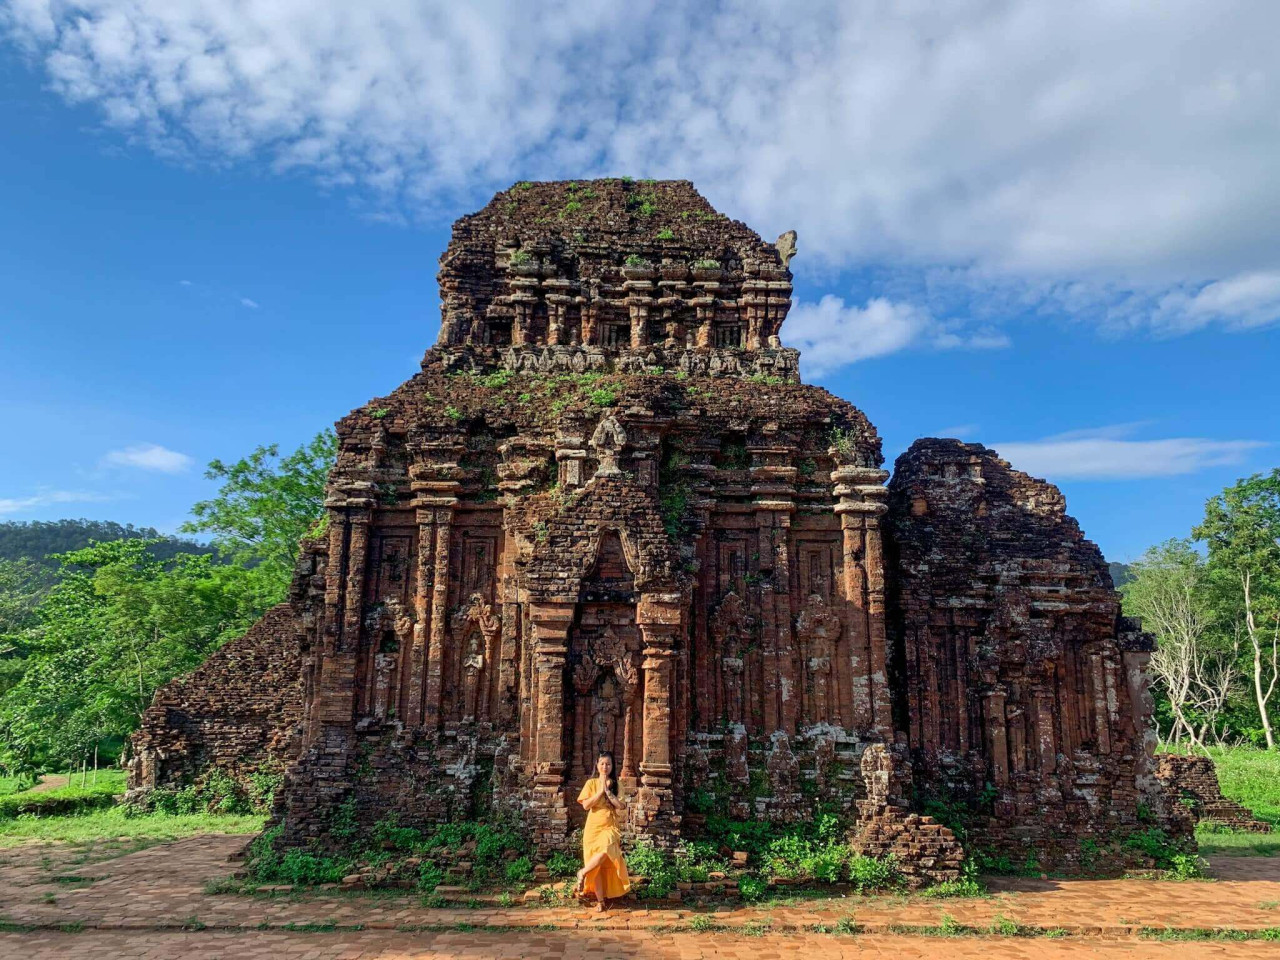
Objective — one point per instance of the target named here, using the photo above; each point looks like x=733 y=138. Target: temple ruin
x=607 y=514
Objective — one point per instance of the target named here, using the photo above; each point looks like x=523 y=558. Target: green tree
x=1169 y=588
x=23 y=585
x=1242 y=529
x=118 y=624
x=266 y=505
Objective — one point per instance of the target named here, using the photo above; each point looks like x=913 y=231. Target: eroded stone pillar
x=659 y=620
x=548 y=804
x=860 y=506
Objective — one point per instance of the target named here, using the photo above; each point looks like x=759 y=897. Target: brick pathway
x=378 y=945
x=139 y=903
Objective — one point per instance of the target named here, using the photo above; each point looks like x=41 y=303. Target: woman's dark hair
x=612 y=782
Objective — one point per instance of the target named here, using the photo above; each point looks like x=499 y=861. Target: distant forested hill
x=37 y=539
x=1120 y=574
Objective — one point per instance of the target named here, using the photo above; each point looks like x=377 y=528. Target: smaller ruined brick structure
x=1022 y=689
x=925 y=851
x=1193 y=782
x=237 y=713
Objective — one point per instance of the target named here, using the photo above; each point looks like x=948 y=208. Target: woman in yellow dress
x=603 y=872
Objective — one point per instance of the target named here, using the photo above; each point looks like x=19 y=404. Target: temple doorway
x=606 y=683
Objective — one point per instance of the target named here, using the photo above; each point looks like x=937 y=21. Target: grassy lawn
x=112 y=824
x=1251 y=777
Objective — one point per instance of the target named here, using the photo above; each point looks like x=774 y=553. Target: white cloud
x=10 y=505
x=1107 y=454
x=831 y=334
x=184 y=283
x=149 y=456
x=246 y=302
x=1106 y=159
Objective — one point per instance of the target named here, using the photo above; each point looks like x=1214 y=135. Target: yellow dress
x=609 y=880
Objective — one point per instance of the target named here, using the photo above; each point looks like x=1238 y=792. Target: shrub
x=752 y=887
x=603 y=397
x=430 y=876
x=562 y=864
x=656 y=867
x=1187 y=866
x=868 y=873
x=519 y=870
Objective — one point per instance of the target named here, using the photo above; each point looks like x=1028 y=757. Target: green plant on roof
x=628 y=181
x=666 y=234
x=570 y=208
x=453 y=413
x=379 y=413
x=707 y=264
x=524 y=185
x=635 y=260
x=520 y=256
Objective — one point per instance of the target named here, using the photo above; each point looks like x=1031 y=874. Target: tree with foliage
x=1242 y=529
x=266 y=505
x=23 y=585
x=117 y=625
x=1169 y=589
x=121 y=620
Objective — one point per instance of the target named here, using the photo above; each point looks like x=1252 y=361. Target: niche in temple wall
x=605 y=688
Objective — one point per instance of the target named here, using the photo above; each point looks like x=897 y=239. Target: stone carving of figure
x=481 y=627
x=386 y=660
x=787 y=247
x=729 y=626
x=605 y=710
x=818 y=629
x=608 y=441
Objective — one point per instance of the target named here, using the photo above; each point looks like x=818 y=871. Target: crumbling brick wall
x=1192 y=781
x=237 y=713
x=1022 y=687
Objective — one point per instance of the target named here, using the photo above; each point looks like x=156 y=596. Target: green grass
x=1252 y=777
x=10 y=785
x=108 y=781
x=113 y=824
x=1233 y=844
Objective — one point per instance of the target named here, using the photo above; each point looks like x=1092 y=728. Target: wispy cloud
x=46 y=498
x=1108 y=453
x=1099 y=159
x=149 y=456
x=831 y=334
x=958 y=432
x=246 y=302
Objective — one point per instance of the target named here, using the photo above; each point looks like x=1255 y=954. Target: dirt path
x=50 y=781
x=157 y=895
x=381 y=945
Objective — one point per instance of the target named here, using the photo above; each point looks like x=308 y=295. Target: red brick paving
x=383 y=945
x=137 y=904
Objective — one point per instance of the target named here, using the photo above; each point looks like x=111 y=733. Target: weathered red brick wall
x=1192 y=781
x=1023 y=690
x=239 y=712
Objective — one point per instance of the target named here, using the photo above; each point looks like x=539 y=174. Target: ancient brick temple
x=608 y=515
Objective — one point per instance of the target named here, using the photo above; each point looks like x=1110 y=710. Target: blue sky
x=198 y=259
